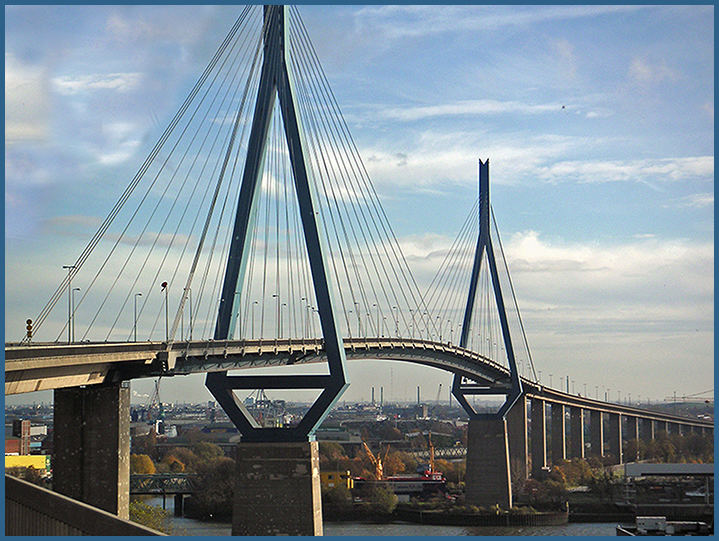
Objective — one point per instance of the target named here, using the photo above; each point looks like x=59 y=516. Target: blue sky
x=598 y=122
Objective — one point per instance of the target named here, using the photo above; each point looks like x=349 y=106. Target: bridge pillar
x=559 y=434
x=615 y=437
x=596 y=433
x=633 y=434
x=179 y=505
x=576 y=429
x=517 y=434
x=487 y=477
x=539 y=436
x=647 y=430
x=661 y=426
x=91 y=440
x=277 y=489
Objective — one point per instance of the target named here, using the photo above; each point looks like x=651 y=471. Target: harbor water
x=191 y=527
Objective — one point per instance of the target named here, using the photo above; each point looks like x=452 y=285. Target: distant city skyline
x=598 y=122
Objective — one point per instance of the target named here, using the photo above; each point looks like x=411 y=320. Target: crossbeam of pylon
x=276 y=82
x=484 y=247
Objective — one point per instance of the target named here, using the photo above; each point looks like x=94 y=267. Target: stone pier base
x=487 y=478
x=91 y=460
x=277 y=489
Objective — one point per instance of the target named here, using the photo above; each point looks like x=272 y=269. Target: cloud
x=400 y=22
x=650 y=170
x=26 y=101
x=468 y=107
x=642 y=72
x=121 y=82
x=697 y=200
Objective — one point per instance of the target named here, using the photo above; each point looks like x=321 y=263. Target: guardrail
x=33 y=510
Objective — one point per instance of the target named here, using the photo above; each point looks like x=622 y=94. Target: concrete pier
x=487 y=478
x=91 y=439
x=596 y=433
x=518 y=441
x=646 y=429
x=576 y=432
x=539 y=435
x=559 y=434
x=632 y=433
x=615 y=437
x=277 y=489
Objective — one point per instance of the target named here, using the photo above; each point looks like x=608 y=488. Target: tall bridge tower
x=488 y=445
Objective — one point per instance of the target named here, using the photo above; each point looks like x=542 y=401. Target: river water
x=187 y=526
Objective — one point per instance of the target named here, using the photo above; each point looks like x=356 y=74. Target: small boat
x=662 y=526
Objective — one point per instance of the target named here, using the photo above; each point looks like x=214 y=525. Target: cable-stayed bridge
x=251 y=236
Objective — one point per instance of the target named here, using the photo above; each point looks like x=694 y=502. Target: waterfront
x=191 y=527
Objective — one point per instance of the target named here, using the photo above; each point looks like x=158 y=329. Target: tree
x=150 y=516
x=207 y=451
x=142 y=464
x=173 y=464
x=186 y=456
x=337 y=499
x=382 y=500
x=214 y=488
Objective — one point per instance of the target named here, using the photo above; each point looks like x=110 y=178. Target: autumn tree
x=142 y=464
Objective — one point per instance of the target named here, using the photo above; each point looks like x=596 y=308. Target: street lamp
x=189 y=297
x=134 y=325
x=396 y=322
x=166 y=289
x=277 y=296
x=281 y=305
x=439 y=322
x=73 y=311
x=69 y=301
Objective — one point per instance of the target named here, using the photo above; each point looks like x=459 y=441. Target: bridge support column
x=647 y=430
x=179 y=505
x=277 y=489
x=91 y=439
x=539 y=436
x=661 y=426
x=487 y=475
x=576 y=429
x=615 y=437
x=517 y=434
x=596 y=433
x=559 y=434
x=633 y=435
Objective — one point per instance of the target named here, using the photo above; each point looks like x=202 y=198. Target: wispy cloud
x=121 y=82
x=26 y=101
x=656 y=170
x=697 y=200
x=644 y=72
x=468 y=107
x=412 y=21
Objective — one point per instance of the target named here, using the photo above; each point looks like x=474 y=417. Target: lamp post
x=281 y=305
x=134 y=324
x=73 y=311
x=277 y=296
x=411 y=322
x=69 y=300
x=439 y=322
x=304 y=326
x=166 y=289
x=396 y=322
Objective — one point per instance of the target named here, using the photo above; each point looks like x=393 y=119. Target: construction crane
x=376 y=461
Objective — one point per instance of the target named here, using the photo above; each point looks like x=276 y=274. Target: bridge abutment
x=277 y=489
x=487 y=478
x=91 y=441
x=517 y=434
x=539 y=436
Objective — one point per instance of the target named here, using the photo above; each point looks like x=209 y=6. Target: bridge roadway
x=43 y=366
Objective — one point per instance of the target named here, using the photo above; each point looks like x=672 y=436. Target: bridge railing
x=33 y=510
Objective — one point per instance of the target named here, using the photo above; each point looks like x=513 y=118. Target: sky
x=598 y=122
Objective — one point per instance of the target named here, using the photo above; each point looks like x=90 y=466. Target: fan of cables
x=154 y=269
